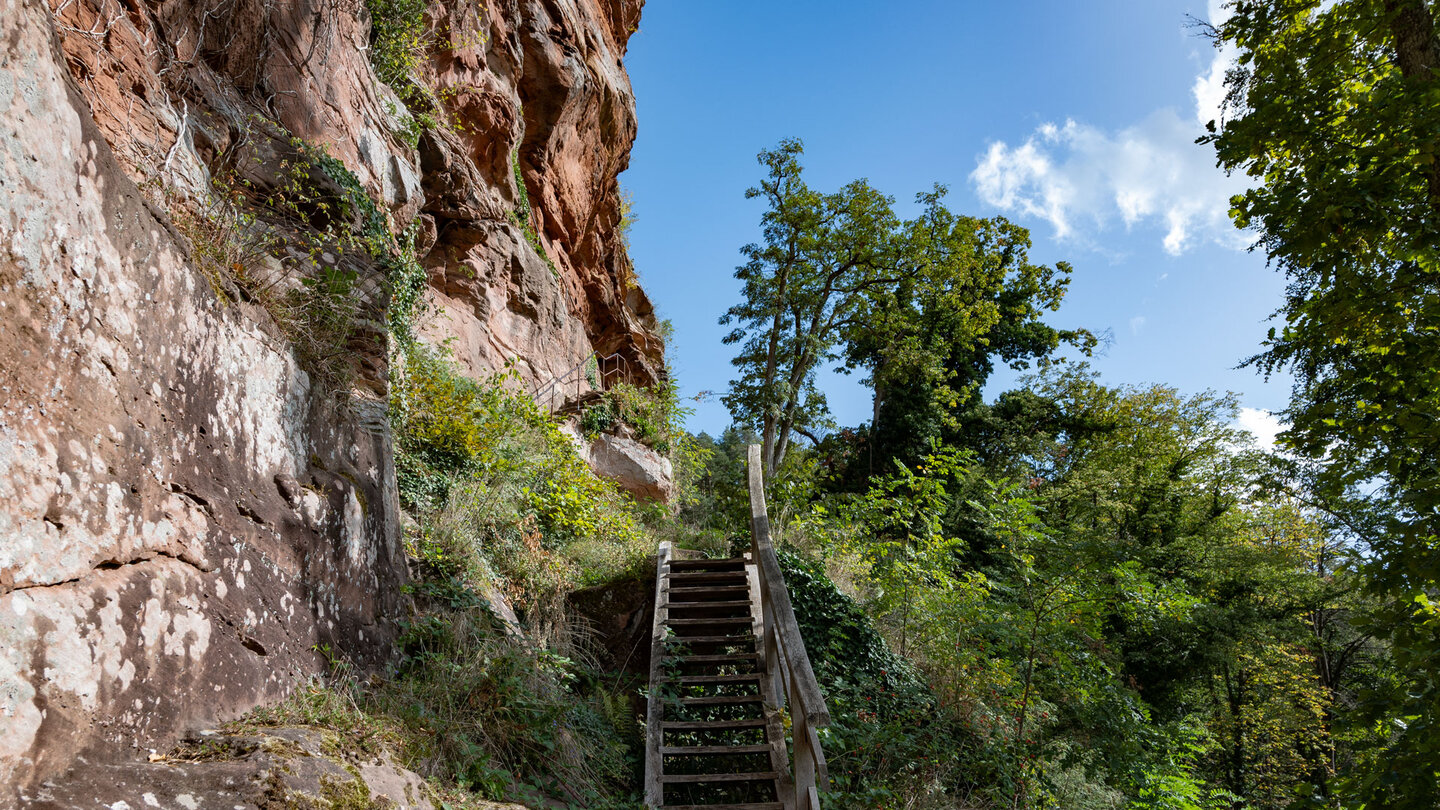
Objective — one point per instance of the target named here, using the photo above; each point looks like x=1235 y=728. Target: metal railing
x=787 y=665
x=594 y=373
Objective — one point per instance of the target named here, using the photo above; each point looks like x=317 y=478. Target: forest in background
x=1082 y=595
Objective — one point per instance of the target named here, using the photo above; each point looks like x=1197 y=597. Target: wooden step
x=740 y=678
x=707 y=576
x=712 y=725
x=721 y=700
x=714 y=659
x=706 y=605
x=709 y=590
x=699 y=778
x=712 y=750
x=710 y=639
x=711 y=621
x=726 y=564
x=750 y=806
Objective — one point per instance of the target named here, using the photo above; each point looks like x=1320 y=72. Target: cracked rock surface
x=153 y=577
x=267 y=768
x=185 y=516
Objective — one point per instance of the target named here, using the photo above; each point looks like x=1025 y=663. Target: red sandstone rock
x=186 y=516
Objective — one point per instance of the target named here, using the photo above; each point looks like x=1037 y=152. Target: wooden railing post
x=655 y=706
x=788 y=670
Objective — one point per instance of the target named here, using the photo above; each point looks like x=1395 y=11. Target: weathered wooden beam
x=655 y=706
x=787 y=664
x=777 y=598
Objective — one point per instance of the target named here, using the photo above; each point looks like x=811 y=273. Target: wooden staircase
x=717 y=746
x=725 y=660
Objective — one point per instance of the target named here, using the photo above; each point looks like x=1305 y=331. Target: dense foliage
x=923 y=305
x=1125 y=610
x=1334 y=110
x=1078 y=595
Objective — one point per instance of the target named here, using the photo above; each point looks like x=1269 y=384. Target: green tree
x=821 y=254
x=969 y=297
x=1228 y=611
x=925 y=305
x=1335 y=113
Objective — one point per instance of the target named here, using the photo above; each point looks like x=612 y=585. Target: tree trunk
x=772 y=364
x=1418 y=56
x=782 y=443
x=875 y=401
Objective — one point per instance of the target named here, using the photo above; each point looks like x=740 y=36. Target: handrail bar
x=787 y=662
x=613 y=365
x=654 y=705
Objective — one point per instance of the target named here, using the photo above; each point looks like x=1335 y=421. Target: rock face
x=543 y=94
x=153 y=573
x=273 y=767
x=541 y=91
x=186 y=514
x=638 y=469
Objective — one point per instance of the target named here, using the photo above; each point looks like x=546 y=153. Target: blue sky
x=1076 y=120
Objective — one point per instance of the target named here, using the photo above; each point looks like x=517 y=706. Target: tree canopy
x=1334 y=112
x=924 y=305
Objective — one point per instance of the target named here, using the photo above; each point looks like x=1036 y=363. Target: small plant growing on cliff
x=406 y=280
x=319 y=319
x=399 y=38
x=303 y=249
x=524 y=216
x=227 y=243
x=655 y=413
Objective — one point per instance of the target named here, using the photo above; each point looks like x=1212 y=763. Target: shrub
x=478 y=712
x=299 y=250
x=888 y=738
x=655 y=413
x=495 y=479
x=399 y=39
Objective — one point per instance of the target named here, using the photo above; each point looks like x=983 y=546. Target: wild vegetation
x=1079 y=595
x=1074 y=595
x=503 y=509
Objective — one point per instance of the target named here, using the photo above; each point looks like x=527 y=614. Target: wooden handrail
x=787 y=664
x=655 y=703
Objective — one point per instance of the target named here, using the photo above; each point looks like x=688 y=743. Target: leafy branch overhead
x=1334 y=114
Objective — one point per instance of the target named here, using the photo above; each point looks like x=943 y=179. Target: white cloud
x=1080 y=179
x=1152 y=174
x=1263 y=425
x=1136 y=324
x=1209 y=87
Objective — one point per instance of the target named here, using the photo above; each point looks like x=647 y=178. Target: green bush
x=299 y=249
x=655 y=413
x=888 y=737
x=398 y=43
x=494 y=478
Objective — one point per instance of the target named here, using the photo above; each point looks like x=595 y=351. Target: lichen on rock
x=192 y=510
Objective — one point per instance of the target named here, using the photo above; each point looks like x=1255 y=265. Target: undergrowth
x=479 y=706
x=480 y=713
x=654 y=414
x=496 y=478
x=505 y=503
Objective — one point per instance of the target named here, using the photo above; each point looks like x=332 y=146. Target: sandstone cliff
x=191 y=512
